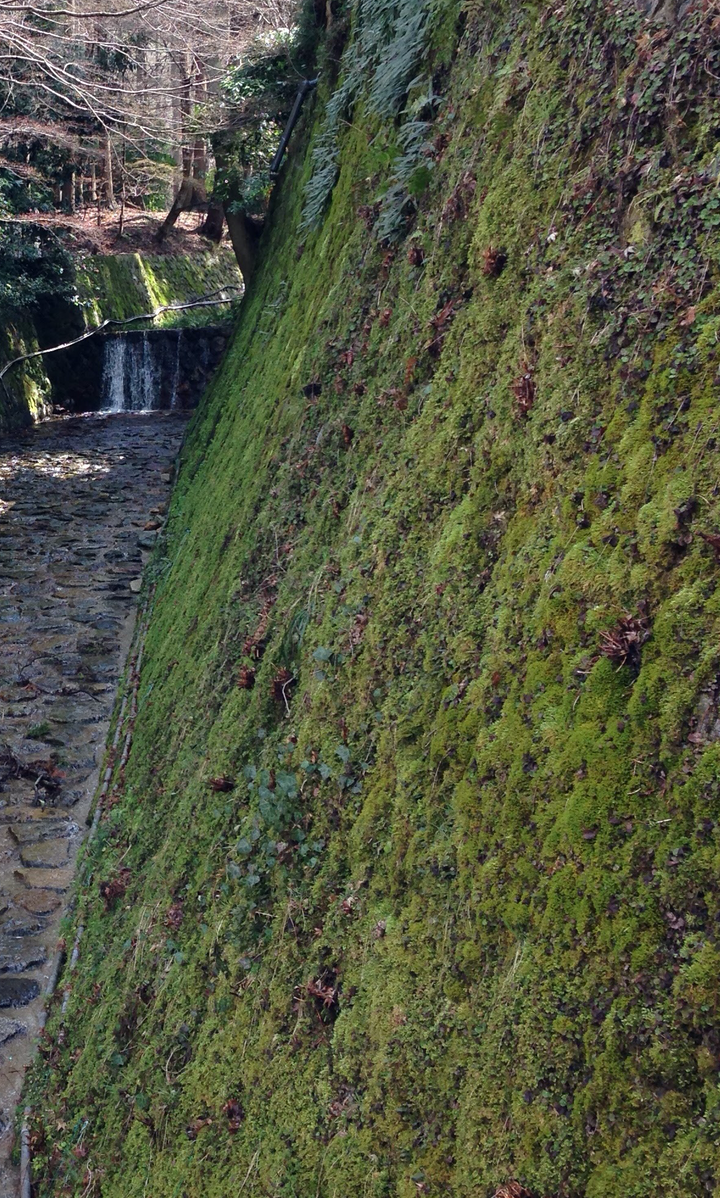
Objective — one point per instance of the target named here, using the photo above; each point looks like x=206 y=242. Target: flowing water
x=158 y=369
x=75 y=498
x=132 y=369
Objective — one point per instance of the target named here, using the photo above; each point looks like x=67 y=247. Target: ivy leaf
x=286 y=784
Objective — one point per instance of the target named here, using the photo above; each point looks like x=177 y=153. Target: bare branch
x=205 y=302
x=80 y=16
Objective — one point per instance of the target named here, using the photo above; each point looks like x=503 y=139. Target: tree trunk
x=244 y=236
x=109 y=189
x=67 y=192
x=191 y=194
x=185 y=114
x=122 y=191
x=200 y=161
x=214 y=221
x=200 y=149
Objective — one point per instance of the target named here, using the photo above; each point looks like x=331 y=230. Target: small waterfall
x=176 y=372
x=146 y=389
x=130 y=382
x=140 y=376
x=158 y=368
x=113 y=378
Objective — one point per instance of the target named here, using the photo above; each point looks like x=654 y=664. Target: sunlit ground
x=57 y=465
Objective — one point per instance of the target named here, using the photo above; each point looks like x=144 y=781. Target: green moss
x=116 y=287
x=456 y=922
x=24 y=390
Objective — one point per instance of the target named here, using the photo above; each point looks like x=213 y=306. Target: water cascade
x=158 y=368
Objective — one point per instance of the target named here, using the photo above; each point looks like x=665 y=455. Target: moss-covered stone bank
x=116 y=287
x=415 y=859
x=25 y=392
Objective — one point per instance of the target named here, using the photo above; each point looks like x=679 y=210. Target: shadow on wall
x=137 y=371
x=158 y=368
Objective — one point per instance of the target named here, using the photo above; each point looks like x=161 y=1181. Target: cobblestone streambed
x=80 y=500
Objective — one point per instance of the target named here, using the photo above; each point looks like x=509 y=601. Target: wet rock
x=39 y=902
x=18 y=992
x=22 y=955
x=109 y=623
x=57 y=880
x=10 y=1028
x=20 y=925
x=68 y=798
x=75 y=712
x=49 y=854
x=36 y=830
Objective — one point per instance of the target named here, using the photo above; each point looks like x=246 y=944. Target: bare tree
x=143 y=74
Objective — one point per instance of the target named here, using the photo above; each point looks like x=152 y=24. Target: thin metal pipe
x=306 y=86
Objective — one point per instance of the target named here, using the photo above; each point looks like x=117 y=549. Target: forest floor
x=88 y=231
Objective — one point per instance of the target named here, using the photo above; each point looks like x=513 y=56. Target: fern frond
x=389 y=39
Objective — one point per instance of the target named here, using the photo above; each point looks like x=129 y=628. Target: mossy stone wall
x=421 y=823
x=25 y=389
x=116 y=287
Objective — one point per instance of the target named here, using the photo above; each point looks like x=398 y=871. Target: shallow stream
x=80 y=500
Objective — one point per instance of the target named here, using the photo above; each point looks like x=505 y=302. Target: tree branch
x=69 y=12
x=205 y=302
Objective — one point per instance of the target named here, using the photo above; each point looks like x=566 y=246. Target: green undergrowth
x=411 y=883
x=118 y=286
x=25 y=389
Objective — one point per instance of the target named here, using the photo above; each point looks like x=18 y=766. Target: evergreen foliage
x=34 y=266
x=258 y=93
x=387 y=46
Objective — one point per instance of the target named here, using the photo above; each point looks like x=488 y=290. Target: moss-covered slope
x=25 y=389
x=415 y=859
x=118 y=286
